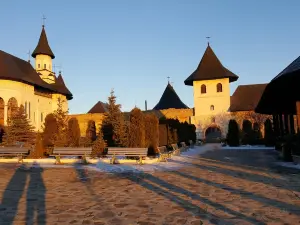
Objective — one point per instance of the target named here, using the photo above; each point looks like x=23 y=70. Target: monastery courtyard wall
x=183 y=115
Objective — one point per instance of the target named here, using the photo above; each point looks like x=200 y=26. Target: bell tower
x=43 y=58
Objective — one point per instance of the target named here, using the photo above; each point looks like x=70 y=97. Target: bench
x=70 y=151
x=20 y=152
x=133 y=152
x=164 y=154
x=176 y=150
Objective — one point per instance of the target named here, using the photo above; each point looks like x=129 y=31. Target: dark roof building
x=210 y=68
x=246 y=97
x=99 y=107
x=16 y=69
x=43 y=47
x=169 y=100
x=282 y=93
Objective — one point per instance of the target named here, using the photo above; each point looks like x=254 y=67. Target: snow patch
x=248 y=147
x=173 y=164
x=289 y=165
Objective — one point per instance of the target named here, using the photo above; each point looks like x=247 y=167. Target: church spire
x=43 y=47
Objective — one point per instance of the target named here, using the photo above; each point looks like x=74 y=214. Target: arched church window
x=42 y=118
x=212 y=107
x=39 y=65
x=219 y=87
x=203 y=89
x=45 y=66
x=29 y=110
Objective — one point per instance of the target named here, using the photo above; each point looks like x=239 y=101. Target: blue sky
x=134 y=45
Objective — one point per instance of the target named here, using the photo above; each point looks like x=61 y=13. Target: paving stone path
x=218 y=187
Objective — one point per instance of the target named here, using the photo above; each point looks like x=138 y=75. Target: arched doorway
x=213 y=134
x=12 y=107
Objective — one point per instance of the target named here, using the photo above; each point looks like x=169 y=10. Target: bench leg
x=162 y=158
x=57 y=159
x=113 y=159
x=84 y=160
x=20 y=158
x=140 y=160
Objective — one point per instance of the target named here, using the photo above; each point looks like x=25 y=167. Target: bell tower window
x=219 y=87
x=203 y=89
x=45 y=66
x=212 y=107
x=39 y=65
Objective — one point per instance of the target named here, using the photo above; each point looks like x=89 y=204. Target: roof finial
x=43 y=18
x=168 y=80
x=28 y=56
x=208 y=40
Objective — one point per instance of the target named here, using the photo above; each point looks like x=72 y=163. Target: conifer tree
x=269 y=137
x=19 y=129
x=39 y=150
x=50 y=131
x=62 y=124
x=91 y=134
x=98 y=145
x=136 y=129
x=151 y=132
x=114 y=123
x=233 y=134
x=247 y=132
x=73 y=133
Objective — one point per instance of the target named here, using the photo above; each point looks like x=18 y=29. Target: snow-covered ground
x=103 y=165
x=289 y=165
x=248 y=147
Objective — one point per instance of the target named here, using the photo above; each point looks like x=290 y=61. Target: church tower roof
x=169 y=100
x=210 y=68
x=43 y=46
x=99 y=107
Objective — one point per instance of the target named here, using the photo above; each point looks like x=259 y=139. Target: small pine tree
x=233 y=134
x=39 y=150
x=114 y=123
x=136 y=129
x=60 y=115
x=151 y=133
x=73 y=133
x=19 y=129
x=90 y=133
x=247 y=132
x=269 y=133
x=98 y=145
x=257 y=136
x=50 y=131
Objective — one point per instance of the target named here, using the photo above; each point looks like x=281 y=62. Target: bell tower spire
x=43 y=57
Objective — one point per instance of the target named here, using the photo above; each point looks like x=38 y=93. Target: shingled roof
x=246 y=97
x=282 y=93
x=16 y=69
x=43 y=46
x=170 y=99
x=99 y=107
x=210 y=68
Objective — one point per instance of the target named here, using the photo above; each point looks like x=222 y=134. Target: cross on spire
x=43 y=18
x=28 y=56
x=208 y=40
x=56 y=66
x=168 y=80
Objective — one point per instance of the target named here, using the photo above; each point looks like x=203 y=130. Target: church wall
x=37 y=106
